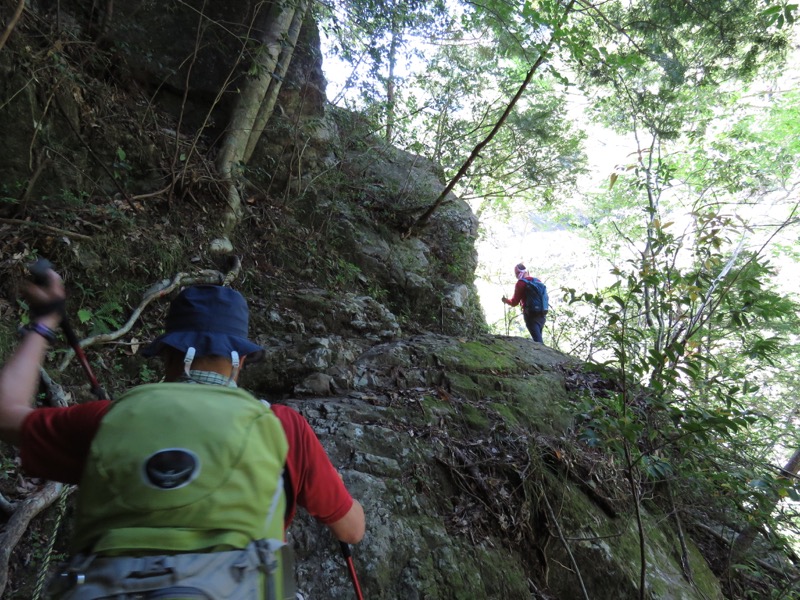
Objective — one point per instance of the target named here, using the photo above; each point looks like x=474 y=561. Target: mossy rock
x=606 y=553
x=476 y=356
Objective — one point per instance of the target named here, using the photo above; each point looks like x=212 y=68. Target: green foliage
x=373 y=38
x=689 y=326
x=121 y=167
x=460 y=88
x=73 y=199
x=103 y=319
x=344 y=274
x=534 y=156
x=147 y=374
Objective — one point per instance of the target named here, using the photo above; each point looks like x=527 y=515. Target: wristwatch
x=40 y=328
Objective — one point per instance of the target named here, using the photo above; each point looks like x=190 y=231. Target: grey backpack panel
x=247 y=574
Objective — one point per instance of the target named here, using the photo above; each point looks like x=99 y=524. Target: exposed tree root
x=18 y=523
x=158 y=290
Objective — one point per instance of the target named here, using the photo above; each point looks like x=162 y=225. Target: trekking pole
x=348 y=557
x=39 y=273
x=505 y=316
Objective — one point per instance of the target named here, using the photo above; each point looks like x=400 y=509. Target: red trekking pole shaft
x=73 y=341
x=348 y=557
x=38 y=271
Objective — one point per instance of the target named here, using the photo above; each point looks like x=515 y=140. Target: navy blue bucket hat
x=209 y=318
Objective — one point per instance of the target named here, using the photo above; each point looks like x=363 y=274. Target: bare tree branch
x=159 y=290
x=423 y=219
x=12 y=23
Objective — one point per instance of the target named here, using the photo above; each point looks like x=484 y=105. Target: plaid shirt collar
x=208 y=378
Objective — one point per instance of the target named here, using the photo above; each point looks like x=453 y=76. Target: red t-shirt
x=55 y=445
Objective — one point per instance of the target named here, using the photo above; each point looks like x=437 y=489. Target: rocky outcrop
x=455 y=449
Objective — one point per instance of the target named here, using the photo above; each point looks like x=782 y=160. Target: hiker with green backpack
x=186 y=486
x=531 y=293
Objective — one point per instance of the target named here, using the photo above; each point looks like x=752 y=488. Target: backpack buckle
x=73 y=574
x=267 y=558
x=153 y=566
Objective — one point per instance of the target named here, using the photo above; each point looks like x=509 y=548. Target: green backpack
x=181 y=498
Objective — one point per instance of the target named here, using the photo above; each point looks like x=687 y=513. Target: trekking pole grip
x=38 y=271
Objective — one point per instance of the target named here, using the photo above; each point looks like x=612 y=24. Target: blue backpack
x=535 y=296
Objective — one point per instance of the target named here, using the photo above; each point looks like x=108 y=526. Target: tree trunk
x=390 y=82
x=268 y=105
x=248 y=120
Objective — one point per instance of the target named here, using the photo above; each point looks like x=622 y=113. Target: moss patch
x=479 y=357
x=465 y=386
x=506 y=413
x=474 y=417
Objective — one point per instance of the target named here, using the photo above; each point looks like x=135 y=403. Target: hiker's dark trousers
x=534 y=321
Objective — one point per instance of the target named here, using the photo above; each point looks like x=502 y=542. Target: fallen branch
x=151 y=194
x=9 y=28
x=574 y=562
x=48 y=228
x=685 y=564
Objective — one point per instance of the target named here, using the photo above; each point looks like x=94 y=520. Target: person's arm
x=19 y=377
x=519 y=294
x=351 y=527
x=316 y=484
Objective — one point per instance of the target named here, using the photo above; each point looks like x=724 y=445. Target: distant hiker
x=183 y=492
x=532 y=294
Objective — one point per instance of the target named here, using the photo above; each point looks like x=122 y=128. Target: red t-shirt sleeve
x=55 y=441
x=315 y=483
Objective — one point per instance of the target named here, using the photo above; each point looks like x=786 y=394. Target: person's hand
x=46 y=298
x=505 y=300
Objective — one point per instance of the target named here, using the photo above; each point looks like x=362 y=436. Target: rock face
x=453 y=440
x=454 y=449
